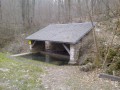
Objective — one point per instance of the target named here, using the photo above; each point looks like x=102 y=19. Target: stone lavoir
x=61 y=39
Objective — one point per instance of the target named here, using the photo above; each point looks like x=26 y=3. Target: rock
x=87 y=67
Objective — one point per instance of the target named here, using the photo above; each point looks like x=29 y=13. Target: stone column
x=48 y=45
x=72 y=55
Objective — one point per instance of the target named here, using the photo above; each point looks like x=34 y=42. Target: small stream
x=47 y=59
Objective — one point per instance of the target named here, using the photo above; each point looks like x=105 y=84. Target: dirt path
x=71 y=78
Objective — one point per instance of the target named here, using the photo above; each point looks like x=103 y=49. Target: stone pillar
x=48 y=45
x=72 y=55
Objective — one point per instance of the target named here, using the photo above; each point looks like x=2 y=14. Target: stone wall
x=76 y=50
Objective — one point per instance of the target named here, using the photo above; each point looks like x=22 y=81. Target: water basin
x=54 y=59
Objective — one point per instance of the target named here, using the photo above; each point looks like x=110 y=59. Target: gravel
x=71 y=78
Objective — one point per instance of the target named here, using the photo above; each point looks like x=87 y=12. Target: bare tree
x=0 y=11
x=107 y=8
x=97 y=59
x=79 y=9
x=28 y=12
x=59 y=10
x=92 y=6
x=69 y=10
x=33 y=11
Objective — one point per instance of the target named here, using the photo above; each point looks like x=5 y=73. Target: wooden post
x=67 y=49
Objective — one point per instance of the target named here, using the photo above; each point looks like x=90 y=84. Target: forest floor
x=71 y=78
x=24 y=74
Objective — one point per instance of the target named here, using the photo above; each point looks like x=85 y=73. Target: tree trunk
x=0 y=11
x=97 y=53
x=69 y=10
x=107 y=8
x=59 y=10
x=79 y=9
x=28 y=12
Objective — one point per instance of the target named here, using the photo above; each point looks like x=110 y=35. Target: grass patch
x=20 y=75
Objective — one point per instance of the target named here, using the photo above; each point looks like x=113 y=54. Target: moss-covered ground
x=20 y=74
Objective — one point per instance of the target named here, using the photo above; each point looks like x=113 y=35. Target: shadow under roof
x=63 y=33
